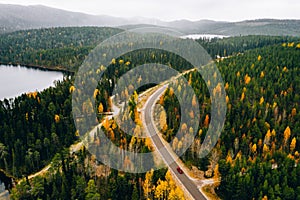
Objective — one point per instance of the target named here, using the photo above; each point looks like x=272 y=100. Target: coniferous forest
x=256 y=156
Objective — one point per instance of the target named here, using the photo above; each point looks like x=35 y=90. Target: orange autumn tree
x=293 y=144
x=148 y=185
x=206 y=121
x=287 y=134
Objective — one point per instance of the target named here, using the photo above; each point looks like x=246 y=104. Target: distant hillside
x=62 y=48
x=250 y=27
x=16 y=17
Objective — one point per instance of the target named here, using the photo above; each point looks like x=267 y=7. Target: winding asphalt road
x=148 y=121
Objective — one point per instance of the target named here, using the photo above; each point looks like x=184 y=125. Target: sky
x=168 y=10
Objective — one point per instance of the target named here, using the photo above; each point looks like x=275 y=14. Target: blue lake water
x=16 y=80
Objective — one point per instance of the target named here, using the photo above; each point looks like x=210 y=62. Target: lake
x=16 y=80
x=198 y=36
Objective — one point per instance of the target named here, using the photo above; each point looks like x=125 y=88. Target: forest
x=256 y=156
x=53 y=48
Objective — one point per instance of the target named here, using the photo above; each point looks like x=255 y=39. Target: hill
x=16 y=17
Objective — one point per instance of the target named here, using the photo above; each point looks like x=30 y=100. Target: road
x=148 y=121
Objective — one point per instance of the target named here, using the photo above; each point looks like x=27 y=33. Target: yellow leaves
x=215 y=75
x=184 y=127
x=259 y=144
x=191 y=114
x=194 y=101
x=254 y=148
x=190 y=79
x=265 y=197
x=284 y=45
x=290 y=156
x=291 y=44
x=171 y=92
x=72 y=89
x=57 y=118
x=137 y=131
x=161 y=189
x=217 y=89
x=243 y=170
x=106 y=124
x=239 y=155
x=100 y=108
x=26 y=116
x=285 y=69
x=161 y=100
x=238 y=74
x=243 y=96
x=268 y=134
x=32 y=95
x=176 y=194
x=266 y=148
x=293 y=144
x=247 y=79
x=273 y=133
x=200 y=132
x=121 y=62
x=229 y=158
x=127 y=63
x=226 y=86
x=298 y=46
x=267 y=125
x=147 y=185
x=113 y=61
x=206 y=121
x=180 y=145
x=262 y=74
x=175 y=144
x=87 y=106
x=179 y=88
x=216 y=172
x=168 y=189
x=227 y=99
x=127 y=162
x=96 y=92
x=259 y=58
x=153 y=56
x=287 y=133
x=77 y=133
x=208 y=83
x=268 y=137
x=294 y=112
x=262 y=100
x=148 y=143
x=100 y=69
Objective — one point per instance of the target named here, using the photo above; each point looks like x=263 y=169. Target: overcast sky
x=224 y=10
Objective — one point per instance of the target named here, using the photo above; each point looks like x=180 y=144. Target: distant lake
x=16 y=80
x=208 y=36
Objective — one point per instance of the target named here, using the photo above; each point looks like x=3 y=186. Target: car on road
x=179 y=170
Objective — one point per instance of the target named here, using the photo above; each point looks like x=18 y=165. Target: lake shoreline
x=42 y=68
x=21 y=79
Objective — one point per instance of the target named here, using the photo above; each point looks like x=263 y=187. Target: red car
x=179 y=170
